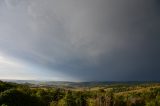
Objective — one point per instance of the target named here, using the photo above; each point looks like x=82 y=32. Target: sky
x=80 y=40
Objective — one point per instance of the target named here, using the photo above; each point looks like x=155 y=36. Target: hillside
x=72 y=94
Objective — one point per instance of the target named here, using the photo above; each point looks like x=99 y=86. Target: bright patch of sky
x=10 y=68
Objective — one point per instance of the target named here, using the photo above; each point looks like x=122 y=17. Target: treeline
x=21 y=95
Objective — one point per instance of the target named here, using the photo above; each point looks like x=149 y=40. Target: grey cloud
x=87 y=39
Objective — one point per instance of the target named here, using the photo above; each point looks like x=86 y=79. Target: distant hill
x=79 y=84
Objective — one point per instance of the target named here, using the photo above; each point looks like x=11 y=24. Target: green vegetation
x=12 y=94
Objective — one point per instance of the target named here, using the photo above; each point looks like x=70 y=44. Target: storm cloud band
x=86 y=40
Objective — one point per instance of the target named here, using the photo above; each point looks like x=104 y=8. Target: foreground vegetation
x=12 y=94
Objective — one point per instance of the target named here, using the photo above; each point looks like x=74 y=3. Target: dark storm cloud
x=87 y=39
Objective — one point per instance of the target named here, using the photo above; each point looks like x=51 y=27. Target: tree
x=15 y=97
x=69 y=99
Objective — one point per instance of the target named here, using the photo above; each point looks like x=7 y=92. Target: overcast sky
x=80 y=40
